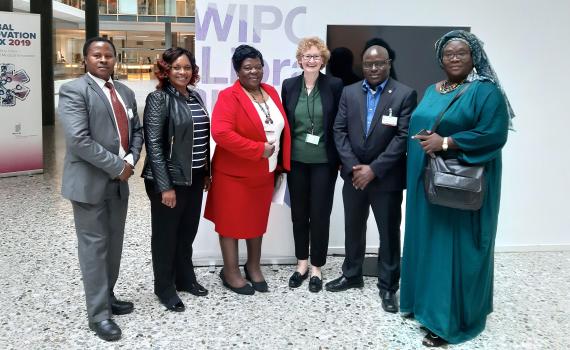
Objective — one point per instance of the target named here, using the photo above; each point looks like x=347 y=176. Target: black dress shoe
x=343 y=283
x=106 y=330
x=245 y=290
x=174 y=304
x=258 y=286
x=431 y=340
x=195 y=288
x=315 y=284
x=297 y=279
x=389 y=302
x=119 y=307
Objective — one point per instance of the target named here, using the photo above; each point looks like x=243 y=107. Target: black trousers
x=173 y=232
x=387 y=209
x=311 y=188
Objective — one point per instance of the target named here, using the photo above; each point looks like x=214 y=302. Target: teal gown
x=447 y=264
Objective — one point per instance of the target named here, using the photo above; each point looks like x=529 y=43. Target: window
x=152 y=7
x=190 y=8
x=112 y=7
x=143 y=7
x=180 y=7
x=103 y=7
x=160 y=7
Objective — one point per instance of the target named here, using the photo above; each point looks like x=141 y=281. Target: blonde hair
x=306 y=43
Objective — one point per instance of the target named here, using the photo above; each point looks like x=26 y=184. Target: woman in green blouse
x=311 y=102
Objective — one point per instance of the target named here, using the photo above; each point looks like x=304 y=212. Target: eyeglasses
x=249 y=69
x=461 y=55
x=316 y=58
x=179 y=69
x=377 y=64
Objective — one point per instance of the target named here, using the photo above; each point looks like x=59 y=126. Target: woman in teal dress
x=447 y=265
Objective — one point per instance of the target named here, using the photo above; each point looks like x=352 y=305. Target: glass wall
x=137 y=52
x=178 y=8
x=80 y=4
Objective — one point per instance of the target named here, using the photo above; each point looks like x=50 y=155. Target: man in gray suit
x=370 y=131
x=104 y=139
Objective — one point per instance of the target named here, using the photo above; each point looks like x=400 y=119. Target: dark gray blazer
x=92 y=140
x=384 y=149
x=330 y=89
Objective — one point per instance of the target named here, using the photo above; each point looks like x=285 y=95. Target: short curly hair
x=90 y=41
x=164 y=64
x=244 y=52
x=306 y=43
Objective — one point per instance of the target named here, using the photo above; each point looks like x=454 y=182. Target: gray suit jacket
x=384 y=148
x=91 y=159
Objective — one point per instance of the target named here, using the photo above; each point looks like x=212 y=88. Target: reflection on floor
x=43 y=301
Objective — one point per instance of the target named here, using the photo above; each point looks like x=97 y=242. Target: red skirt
x=239 y=206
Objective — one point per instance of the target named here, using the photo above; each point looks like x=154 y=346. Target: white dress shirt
x=122 y=152
x=272 y=131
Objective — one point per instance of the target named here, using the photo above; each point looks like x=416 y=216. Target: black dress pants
x=311 y=188
x=173 y=232
x=387 y=209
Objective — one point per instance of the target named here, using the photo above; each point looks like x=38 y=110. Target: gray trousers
x=100 y=230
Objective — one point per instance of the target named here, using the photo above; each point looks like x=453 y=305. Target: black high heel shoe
x=245 y=290
x=258 y=286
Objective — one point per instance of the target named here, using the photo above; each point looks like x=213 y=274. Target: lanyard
x=311 y=116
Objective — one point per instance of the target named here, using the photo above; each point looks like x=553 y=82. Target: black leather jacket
x=169 y=138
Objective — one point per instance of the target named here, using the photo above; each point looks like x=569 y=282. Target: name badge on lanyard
x=312 y=139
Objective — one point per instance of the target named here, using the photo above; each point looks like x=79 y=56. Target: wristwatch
x=444 y=146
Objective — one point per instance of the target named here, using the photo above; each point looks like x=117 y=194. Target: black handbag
x=451 y=183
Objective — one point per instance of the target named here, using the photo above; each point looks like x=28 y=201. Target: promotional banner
x=20 y=94
x=273 y=27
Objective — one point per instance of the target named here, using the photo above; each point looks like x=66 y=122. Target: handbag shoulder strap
x=455 y=98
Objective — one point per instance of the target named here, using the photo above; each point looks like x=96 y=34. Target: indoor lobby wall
x=522 y=41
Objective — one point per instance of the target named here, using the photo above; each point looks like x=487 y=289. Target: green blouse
x=309 y=111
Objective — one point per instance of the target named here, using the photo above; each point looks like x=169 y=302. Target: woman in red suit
x=252 y=147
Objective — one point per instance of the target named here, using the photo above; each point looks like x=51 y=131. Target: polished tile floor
x=43 y=307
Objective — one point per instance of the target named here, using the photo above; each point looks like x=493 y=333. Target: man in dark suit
x=370 y=132
x=104 y=139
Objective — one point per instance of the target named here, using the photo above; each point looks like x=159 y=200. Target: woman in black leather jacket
x=176 y=173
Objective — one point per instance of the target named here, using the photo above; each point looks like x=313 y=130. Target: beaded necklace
x=448 y=86
x=265 y=110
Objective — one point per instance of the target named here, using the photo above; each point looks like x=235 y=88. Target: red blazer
x=240 y=137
